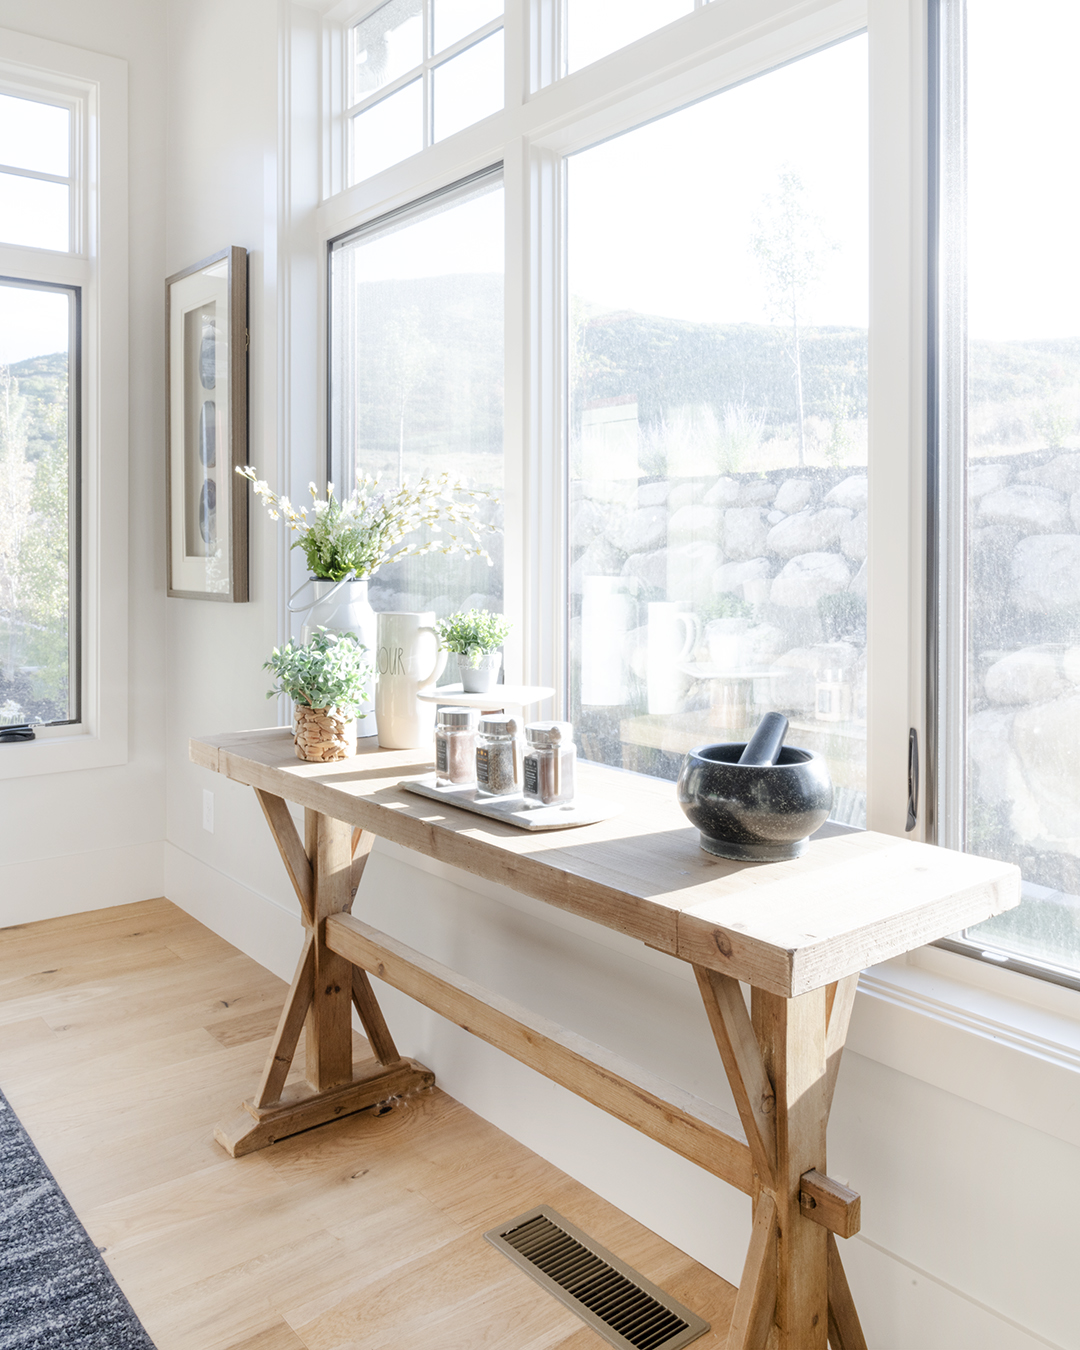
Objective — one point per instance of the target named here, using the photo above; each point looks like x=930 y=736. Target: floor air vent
x=617 y=1302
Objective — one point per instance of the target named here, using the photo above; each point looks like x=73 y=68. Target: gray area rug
x=56 y=1293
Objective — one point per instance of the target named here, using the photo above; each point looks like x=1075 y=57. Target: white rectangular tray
x=512 y=810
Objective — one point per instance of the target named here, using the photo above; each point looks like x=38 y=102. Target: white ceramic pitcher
x=672 y=637
x=408 y=661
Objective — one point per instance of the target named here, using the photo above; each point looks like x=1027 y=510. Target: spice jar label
x=441 y=758
x=532 y=775
x=482 y=765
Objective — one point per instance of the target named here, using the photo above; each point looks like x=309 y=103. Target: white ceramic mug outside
x=408 y=661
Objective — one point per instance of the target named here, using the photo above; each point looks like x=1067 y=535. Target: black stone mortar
x=755 y=812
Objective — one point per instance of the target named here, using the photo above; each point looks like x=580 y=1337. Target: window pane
x=594 y=28
x=389 y=132
x=469 y=86
x=386 y=45
x=718 y=348
x=417 y=375
x=1023 y=467
x=34 y=212
x=454 y=19
x=34 y=135
x=35 y=473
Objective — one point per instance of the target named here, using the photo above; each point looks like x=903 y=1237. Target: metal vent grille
x=617 y=1302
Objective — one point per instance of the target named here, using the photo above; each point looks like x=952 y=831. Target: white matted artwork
x=206 y=346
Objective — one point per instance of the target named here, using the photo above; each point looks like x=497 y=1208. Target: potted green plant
x=475 y=637
x=326 y=678
x=347 y=542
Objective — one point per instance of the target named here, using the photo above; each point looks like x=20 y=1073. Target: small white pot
x=479 y=679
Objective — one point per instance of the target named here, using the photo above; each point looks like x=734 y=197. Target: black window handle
x=912 y=780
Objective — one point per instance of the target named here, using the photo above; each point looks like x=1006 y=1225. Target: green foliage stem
x=473 y=633
x=330 y=672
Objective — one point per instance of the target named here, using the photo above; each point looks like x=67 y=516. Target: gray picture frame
x=206 y=429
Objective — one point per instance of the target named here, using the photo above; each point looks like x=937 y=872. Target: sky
x=661 y=218
x=32 y=322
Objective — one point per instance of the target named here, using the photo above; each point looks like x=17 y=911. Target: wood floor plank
x=278 y=1337
x=367 y=1232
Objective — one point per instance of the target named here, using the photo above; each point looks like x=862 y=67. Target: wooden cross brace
x=325 y=871
x=781 y=1057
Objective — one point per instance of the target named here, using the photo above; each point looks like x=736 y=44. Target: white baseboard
x=901 y=1305
x=254 y=923
x=46 y=888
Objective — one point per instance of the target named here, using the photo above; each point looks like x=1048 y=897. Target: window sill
x=1008 y=1042
x=65 y=750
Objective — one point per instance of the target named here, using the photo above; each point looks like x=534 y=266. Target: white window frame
x=95 y=86
x=968 y=1027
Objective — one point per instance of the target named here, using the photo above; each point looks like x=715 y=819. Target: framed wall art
x=206 y=359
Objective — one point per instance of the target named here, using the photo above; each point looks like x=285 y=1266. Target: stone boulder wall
x=745 y=532
x=852 y=493
x=1046 y=572
x=794 y=495
x=1030 y=675
x=805 y=580
x=1032 y=509
x=1046 y=741
x=808 y=531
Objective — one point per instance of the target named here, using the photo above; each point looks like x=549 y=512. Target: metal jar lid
x=458 y=717
x=549 y=733
x=498 y=726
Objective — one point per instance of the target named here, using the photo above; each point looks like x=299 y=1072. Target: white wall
x=956 y=1111
x=960 y=1134
x=80 y=840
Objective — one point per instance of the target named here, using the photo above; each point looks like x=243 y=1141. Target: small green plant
x=330 y=672
x=356 y=537
x=724 y=605
x=473 y=633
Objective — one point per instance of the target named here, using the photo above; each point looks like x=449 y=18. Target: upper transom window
x=419 y=70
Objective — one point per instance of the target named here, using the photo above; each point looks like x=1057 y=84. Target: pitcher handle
x=693 y=633
x=307 y=581
x=441 y=654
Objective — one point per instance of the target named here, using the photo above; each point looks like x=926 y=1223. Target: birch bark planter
x=323 y=734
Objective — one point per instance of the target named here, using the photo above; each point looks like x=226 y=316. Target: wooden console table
x=797 y=932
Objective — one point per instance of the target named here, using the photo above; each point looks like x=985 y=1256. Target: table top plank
x=852 y=900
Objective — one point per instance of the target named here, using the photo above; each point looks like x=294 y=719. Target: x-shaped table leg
x=781 y=1059
x=325 y=871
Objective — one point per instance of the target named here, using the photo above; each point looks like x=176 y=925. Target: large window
x=39 y=558
x=417 y=374
x=718 y=485
x=63 y=405
x=41 y=214
x=700 y=383
x=1010 y=461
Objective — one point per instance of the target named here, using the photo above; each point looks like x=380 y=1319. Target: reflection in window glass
x=1022 y=801
x=36 y=576
x=389 y=131
x=594 y=28
x=34 y=212
x=388 y=44
x=416 y=375
x=718 y=488
x=468 y=87
x=453 y=20
x=34 y=135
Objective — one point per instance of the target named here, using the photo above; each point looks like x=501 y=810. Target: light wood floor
x=125 y=1034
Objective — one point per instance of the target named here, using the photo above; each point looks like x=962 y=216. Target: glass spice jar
x=455 y=747
x=498 y=757
x=548 y=769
